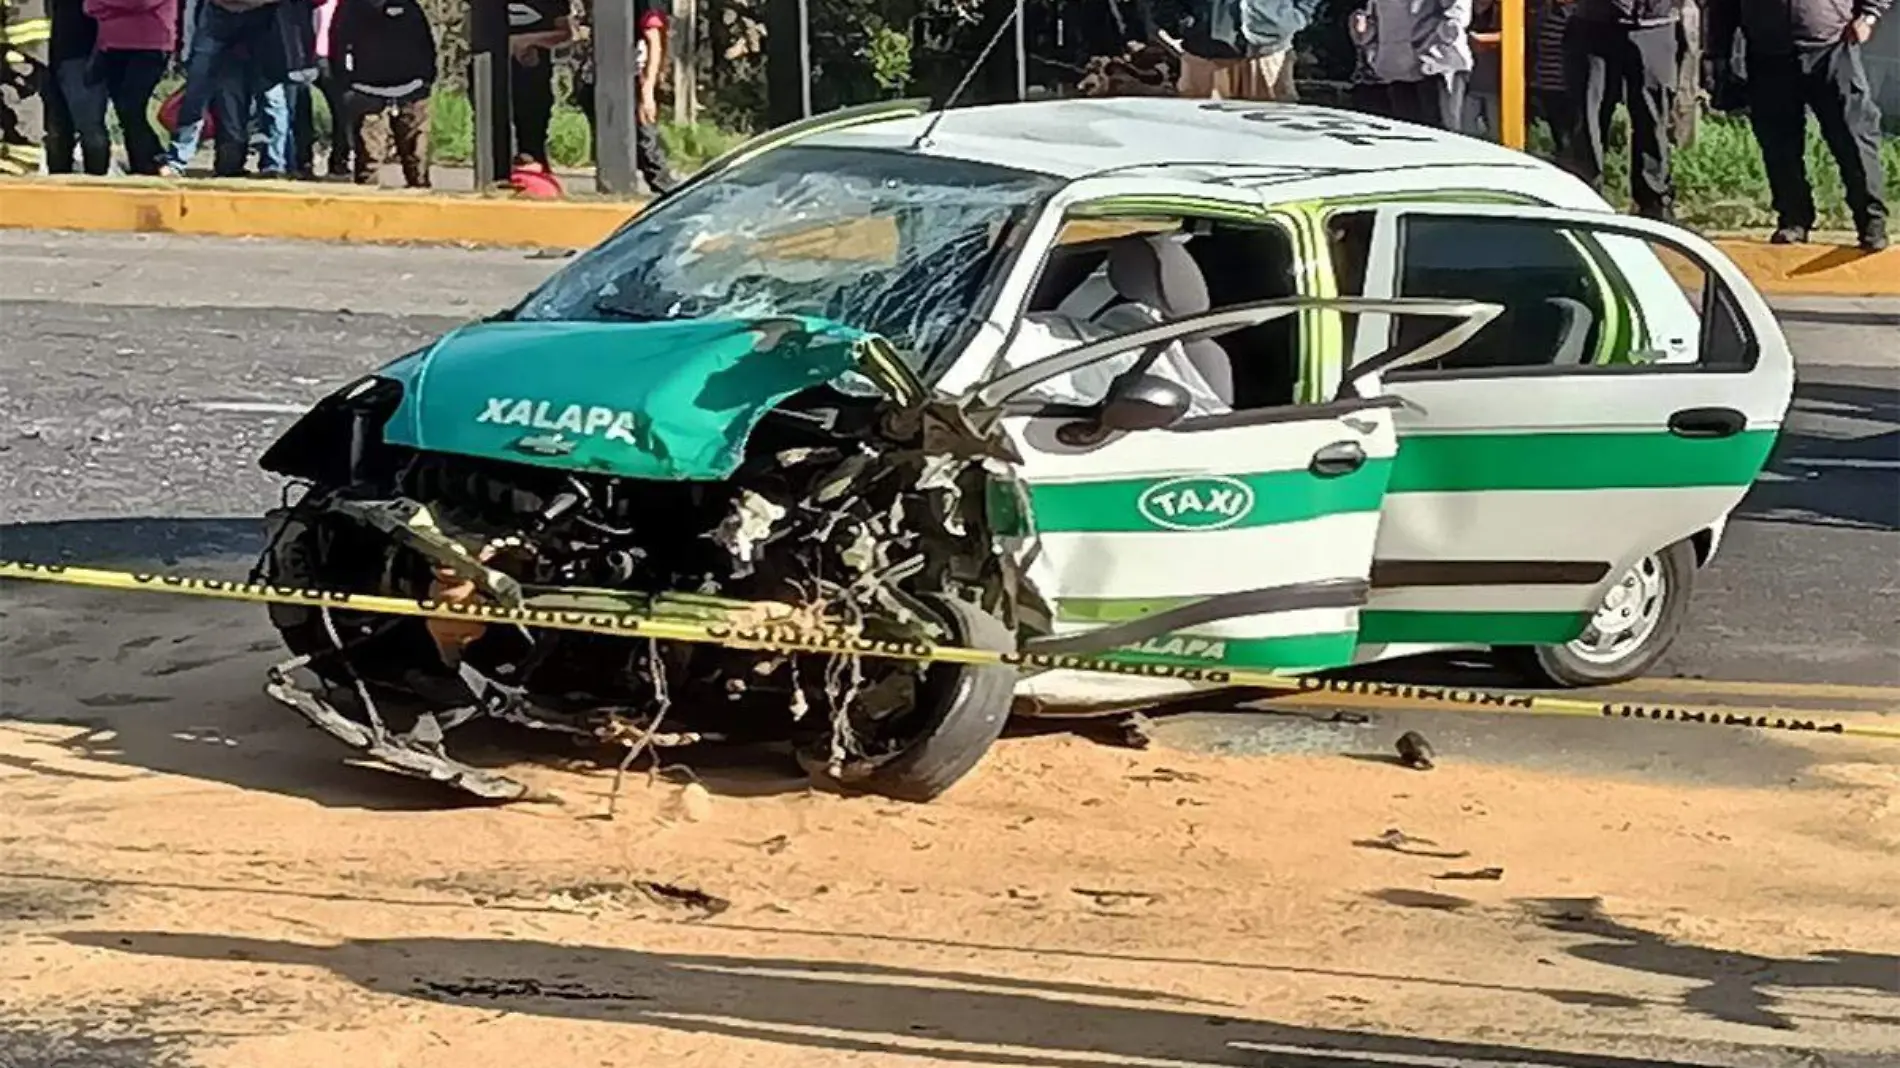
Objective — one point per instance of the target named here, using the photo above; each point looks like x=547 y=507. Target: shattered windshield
x=889 y=242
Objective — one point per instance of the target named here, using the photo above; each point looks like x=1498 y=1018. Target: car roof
x=1188 y=139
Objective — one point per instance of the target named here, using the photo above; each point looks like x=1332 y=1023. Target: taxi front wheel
x=1631 y=628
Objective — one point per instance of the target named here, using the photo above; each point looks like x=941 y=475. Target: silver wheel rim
x=1627 y=616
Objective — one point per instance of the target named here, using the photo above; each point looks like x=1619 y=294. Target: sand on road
x=188 y=875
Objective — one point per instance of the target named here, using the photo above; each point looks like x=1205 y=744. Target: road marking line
x=251 y=407
x=1852 y=465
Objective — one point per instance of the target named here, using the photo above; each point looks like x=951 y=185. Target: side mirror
x=1143 y=402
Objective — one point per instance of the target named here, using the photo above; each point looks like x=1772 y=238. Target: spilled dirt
x=189 y=876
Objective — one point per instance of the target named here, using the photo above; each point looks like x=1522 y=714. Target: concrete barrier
x=332 y=213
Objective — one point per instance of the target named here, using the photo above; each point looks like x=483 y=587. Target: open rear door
x=1623 y=402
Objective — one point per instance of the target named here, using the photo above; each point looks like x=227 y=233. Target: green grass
x=1720 y=183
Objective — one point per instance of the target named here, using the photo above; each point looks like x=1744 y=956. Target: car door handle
x=1339 y=458
x=1707 y=423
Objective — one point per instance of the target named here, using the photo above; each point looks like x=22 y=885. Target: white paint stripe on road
x=1855 y=465
x=252 y=407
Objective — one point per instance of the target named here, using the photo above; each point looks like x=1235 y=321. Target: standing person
x=331 y=84
x=75 y=104
x=227 y=38
x=1624 y=50
x=25 y=32
x=1420 y=52
x=134 y=47
x=1804 y=55
x=649 y=56
x=385 y=52
x=535 y=29
x=1548 y=96
x=1240 y=49
x=1484 y=93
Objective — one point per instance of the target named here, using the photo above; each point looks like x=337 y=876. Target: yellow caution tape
x=780 y=637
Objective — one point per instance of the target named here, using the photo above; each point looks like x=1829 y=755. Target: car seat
x=1161 y=279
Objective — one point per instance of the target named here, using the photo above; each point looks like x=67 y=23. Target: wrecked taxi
x=1215 y=385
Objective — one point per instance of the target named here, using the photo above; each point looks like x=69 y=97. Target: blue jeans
x=240 y=101
x=216 y=60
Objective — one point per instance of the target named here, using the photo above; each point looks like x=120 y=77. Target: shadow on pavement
x=1844 y=480
x=837 y=1006
x=1733 y=985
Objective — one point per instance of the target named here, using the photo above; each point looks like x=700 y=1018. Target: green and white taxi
x=1212 y=384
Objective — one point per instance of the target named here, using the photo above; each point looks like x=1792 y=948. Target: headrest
x=1155 y=271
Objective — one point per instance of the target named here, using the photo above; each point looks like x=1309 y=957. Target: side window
x=1110 y=276
x=1556 y=308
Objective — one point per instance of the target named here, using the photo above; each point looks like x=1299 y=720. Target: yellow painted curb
x=292 y=210
x=317 y=215
x=1816 y=270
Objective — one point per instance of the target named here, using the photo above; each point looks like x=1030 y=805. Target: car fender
x=1714 y=532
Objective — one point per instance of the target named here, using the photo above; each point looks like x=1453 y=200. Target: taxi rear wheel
x=1634 y=625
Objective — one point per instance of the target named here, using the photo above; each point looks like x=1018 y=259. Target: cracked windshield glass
x=883 y=241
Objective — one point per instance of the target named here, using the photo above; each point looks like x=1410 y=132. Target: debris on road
x=1399 y=842
x=1415 y=752
x=1480 y=875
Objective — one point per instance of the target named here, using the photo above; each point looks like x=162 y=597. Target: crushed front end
x=707 y=471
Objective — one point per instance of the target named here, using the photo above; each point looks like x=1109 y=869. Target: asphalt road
x=130 y=368
x=126 y=363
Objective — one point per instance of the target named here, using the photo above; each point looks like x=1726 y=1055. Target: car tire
x=968 y=709
x=1631 y=630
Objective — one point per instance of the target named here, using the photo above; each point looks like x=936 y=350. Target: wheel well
x=1704 y=543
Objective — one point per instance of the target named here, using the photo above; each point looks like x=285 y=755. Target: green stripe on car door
x=1114 y=506
x=1446 y=463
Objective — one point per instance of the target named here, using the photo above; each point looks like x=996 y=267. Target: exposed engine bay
x=844 y=510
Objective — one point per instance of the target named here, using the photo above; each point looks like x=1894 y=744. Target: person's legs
x=274 y=118
x=1648 y=62
x=1837 y=87
x=651 y=156
x=371 y=135
x=1555 y=109
x=231 y=106
x=1778 y=113
x=1446 y=100
x=1268 y=77
x=1587 y=71
x=130 y=82
x=411 y=124
x=533 y=90
x=1197 y=77
x=64 y=94
x=303 y=130
x=342 y=129
x=206 y=75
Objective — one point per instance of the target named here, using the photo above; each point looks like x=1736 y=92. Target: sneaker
x=1789 y=235
x=1873 y=237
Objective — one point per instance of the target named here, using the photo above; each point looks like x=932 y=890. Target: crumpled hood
x=672 y=400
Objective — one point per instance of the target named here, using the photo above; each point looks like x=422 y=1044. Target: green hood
x=673 y=400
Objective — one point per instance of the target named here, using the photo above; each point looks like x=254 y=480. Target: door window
x=1554 y=295
x=1204 y=265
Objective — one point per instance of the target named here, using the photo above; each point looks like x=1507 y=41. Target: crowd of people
x=258 y=65
x=1437 y=62
x=253 y=70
